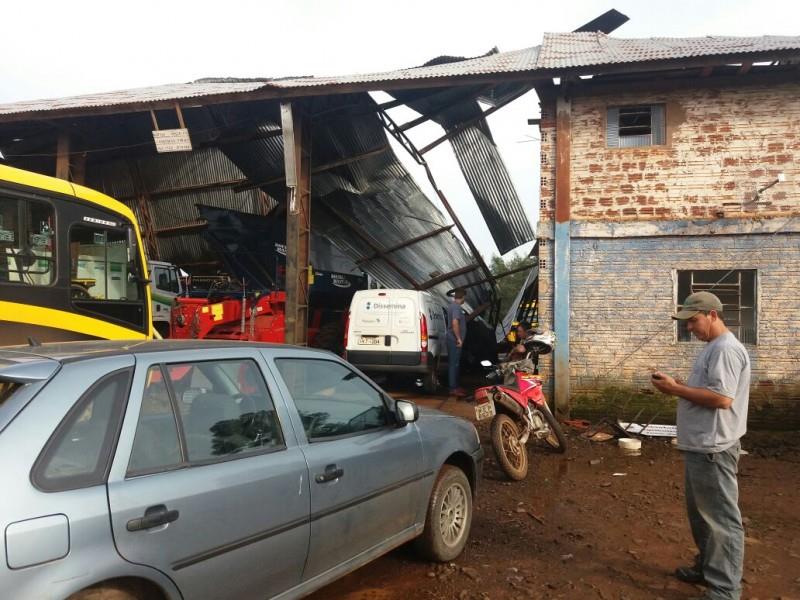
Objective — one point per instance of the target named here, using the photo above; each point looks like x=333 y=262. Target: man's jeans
x=712 y=496
x=453 y=358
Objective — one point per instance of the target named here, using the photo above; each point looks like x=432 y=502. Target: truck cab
x=165 y=285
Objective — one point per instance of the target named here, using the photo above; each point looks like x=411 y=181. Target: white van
x=397 y=331
x=165 y=284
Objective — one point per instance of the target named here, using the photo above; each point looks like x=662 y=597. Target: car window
x=223 y=409
x=332 y=400
x=156 y=445
x=78 y=453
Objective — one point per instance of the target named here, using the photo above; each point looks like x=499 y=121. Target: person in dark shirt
x=456 y=334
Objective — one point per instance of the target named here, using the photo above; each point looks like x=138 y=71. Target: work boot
x=690 y=574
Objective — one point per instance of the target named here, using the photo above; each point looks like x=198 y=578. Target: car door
x=208 y=484
x=365 y=472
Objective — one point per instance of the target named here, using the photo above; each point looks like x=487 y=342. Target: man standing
x=712 y=416
x=456 y=333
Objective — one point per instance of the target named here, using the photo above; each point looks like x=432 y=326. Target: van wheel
x=430 y=383
x=116 y=591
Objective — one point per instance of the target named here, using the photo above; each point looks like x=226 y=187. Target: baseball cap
x=696 y=302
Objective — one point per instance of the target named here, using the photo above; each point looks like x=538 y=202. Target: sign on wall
x=172 y=140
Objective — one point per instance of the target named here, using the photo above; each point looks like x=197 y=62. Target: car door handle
x=153 y=517
x=331 y=472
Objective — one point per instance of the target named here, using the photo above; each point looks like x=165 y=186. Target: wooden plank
x=62 y=156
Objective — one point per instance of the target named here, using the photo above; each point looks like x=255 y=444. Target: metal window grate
x=736 y=290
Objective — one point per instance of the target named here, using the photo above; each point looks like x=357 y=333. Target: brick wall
x=622 y=293
x=721 y=145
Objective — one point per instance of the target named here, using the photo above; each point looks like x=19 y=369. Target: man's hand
x=663 y=382
x=459 y=342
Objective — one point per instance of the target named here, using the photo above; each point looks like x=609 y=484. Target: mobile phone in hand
x=657 y=376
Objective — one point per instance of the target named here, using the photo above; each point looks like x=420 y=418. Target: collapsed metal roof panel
x=580 y=49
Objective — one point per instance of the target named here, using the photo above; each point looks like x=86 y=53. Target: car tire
x=449 y=516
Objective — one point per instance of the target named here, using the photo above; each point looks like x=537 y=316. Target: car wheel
x=449 y=516
x=430 y=382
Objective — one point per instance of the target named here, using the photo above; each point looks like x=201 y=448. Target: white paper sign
x=172 y=140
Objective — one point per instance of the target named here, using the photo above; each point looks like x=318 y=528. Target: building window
x=633 y=126
x=737 y=291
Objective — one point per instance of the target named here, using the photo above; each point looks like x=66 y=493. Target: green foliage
x=508 y=287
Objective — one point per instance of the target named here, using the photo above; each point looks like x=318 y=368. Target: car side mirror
x=406 y=412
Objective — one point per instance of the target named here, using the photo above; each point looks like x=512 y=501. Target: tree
x=508 y=287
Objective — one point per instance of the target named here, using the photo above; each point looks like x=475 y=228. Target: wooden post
x=62 y=156
x=296 y=126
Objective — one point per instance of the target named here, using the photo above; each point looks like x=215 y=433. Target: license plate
x=369 y=340
x=484 y=411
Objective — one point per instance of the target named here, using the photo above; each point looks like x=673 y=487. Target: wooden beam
x=180 y=115
x=745 y=68
x=181 y=229
x=367 y=239
x=62 y=156
x=191 y=188
x=447 y=276
x=407 y=243
x=318 y=169
x=296 y=126
x=78 y=170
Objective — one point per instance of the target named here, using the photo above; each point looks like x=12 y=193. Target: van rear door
x=405 y=315
x=370 y=326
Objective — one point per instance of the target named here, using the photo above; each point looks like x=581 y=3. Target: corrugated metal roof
x=579 y=49
x=558 y=51
x=156 y=93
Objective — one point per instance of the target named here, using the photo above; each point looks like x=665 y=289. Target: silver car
x=195 y=470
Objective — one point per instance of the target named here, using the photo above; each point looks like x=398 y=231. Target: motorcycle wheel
x=511 y=455
x=556 y=439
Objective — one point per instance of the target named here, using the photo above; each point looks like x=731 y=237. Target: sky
x=54 y=49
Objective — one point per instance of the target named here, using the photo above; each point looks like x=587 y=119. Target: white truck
x=165 y=285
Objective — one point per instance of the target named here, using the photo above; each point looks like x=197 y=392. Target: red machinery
x=255 y=318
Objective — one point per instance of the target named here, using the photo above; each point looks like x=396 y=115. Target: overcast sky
x=55 y=49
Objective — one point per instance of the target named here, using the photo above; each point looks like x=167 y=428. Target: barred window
x=736 y=289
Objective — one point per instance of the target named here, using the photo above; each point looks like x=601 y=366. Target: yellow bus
x=72 y=266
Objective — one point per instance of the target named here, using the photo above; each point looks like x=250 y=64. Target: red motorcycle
x=518 y=408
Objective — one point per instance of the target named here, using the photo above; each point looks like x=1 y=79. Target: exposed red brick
x=708 y=128
x=622 y=200
x=589 y=202
x=629 y=211
x=661 y=187
x=730 y=185
x=782 y=159
x=626 y=188
x=586 y=180
x=646 y=210
x=758 y=173
x=606 y=202
x=775 y=147
x=595 y=168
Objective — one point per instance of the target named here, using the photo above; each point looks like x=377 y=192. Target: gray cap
x=697 y=302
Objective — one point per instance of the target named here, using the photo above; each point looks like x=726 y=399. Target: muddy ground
x=597 y=524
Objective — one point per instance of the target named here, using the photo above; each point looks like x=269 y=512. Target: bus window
x=26 y=242
x=100 y=274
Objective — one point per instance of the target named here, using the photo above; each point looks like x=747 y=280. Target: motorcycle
x=518 y=408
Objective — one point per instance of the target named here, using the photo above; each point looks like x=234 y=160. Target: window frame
x=54 y=258
x=756 y=286
x=142 y=291
x=178 y=417
x=657 y=132
x=107 y=449
x=391 y=422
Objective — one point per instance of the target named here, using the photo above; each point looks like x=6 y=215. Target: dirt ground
x=594 y=523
